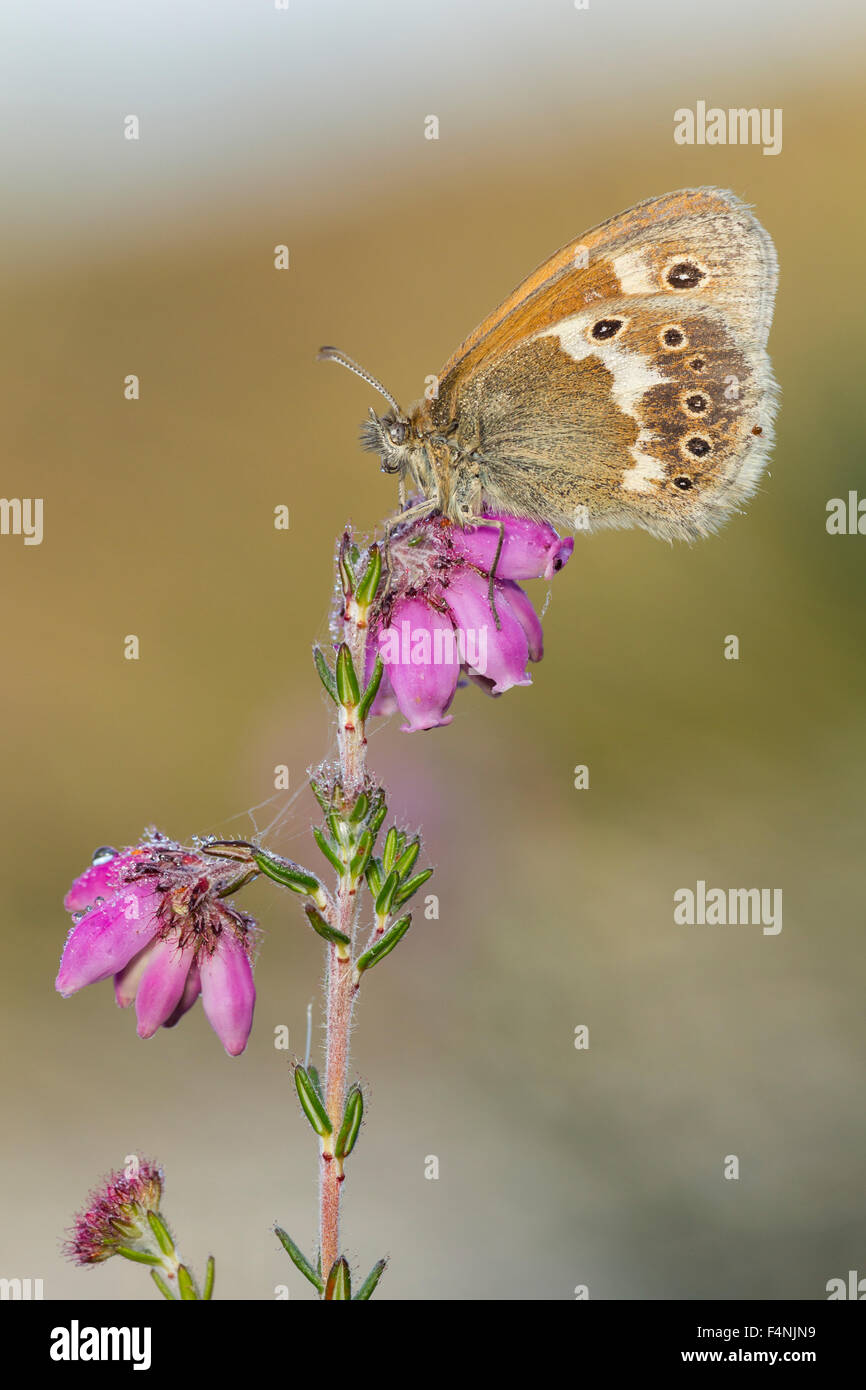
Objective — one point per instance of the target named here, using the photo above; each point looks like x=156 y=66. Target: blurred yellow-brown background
x=558 y=1167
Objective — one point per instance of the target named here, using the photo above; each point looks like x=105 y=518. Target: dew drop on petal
x=104 y=854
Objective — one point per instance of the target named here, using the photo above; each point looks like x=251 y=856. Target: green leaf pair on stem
x=338 y=1285
x=342 y=682
x=343 y=685
x=359 y=591
x=186 y=1285
x=313 y=1106
x=166 y=1266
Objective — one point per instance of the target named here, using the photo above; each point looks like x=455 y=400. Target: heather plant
x=437 y=608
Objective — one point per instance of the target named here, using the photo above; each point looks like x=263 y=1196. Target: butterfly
x=626 y=382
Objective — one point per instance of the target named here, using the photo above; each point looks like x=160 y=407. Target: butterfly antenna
x=332 y=354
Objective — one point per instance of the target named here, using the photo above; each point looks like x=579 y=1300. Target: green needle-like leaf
x=345 y=566
x=359 y=810
x=372 y=1279
x=324 y=929
x=374 y=877
x=348 y=690
x=139 y=1257
x=239 y=883
x=160 y=1231
x=162 y=1286
x=384 y=946
x=378 y=814
x=186 y=1285
x=372 y=574
x=391 y=849
x=371 y=689
x=339 y=1285
x=365 y=849
x=386 y=895
x=287 y=873
x=329 y=851
x=352 y=1116
x=320 y=792
x=311 y=1103
x=326 y=675
x=298 y=1258
x=209 y=1274
x=407 y=859
x=405 y=891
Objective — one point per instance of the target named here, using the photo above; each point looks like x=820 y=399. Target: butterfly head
x=391 y=437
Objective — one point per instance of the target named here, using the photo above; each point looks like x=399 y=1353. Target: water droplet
x=77 y=916
x=104 y=853
x=97 y=902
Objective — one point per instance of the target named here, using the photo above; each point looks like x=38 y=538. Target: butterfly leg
x=491 y=587
x=415 y=513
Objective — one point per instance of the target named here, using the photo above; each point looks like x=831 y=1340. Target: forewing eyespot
x=685 y=275
x=682 y=483
x=606 y=328
x=695 y=403
x=697 y=364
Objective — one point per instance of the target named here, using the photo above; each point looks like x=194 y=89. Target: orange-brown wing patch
x=696 y=241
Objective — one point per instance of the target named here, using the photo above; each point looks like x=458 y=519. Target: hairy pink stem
x=340 y=990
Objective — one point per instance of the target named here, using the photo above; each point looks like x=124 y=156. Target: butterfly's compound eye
x=398 y=431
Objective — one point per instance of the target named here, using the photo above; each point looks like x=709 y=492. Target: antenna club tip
x=332 y=354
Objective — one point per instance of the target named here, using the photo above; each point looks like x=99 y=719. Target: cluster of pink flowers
x=155 y=917
x=438 y=621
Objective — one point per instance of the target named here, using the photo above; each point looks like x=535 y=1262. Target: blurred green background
x=557 y=1167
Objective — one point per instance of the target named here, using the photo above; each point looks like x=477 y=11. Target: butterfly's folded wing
x=582 y=423
x=629 y=254
x=665 y=424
